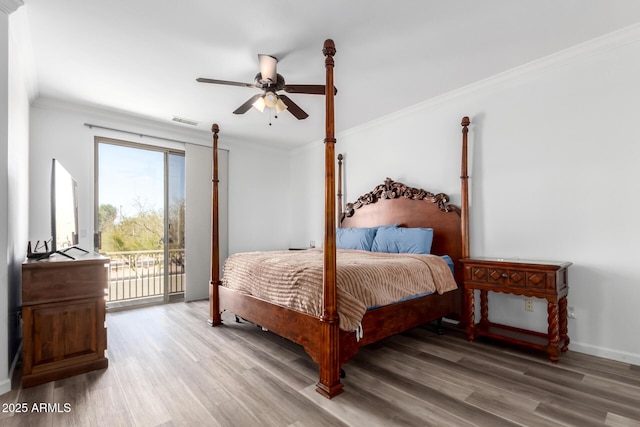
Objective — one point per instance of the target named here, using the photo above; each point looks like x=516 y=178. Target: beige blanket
x=365 y=279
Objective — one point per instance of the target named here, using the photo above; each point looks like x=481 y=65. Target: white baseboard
x=607 y=353
x=5 y=384
x=592 y=350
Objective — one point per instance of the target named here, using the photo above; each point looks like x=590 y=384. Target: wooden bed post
x=464 y=219
x=329 y=366
x=339 y=188
x=464 y=177
x=214 y=299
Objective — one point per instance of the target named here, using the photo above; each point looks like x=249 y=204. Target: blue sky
x=131 y=176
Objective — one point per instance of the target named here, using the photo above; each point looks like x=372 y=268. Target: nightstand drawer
x=507 y=277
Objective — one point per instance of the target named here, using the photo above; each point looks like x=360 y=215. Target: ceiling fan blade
x=268 y=67
x=308 y=89
x=247 y=105
x=293 y=108
x=224 y=82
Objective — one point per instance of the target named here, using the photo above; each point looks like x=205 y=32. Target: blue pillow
x=403 y=240
x=355 y=238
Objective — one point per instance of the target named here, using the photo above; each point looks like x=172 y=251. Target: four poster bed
x=323 y=324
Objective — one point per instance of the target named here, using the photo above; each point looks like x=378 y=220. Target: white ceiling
x=142 y=57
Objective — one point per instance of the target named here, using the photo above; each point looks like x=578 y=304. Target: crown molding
x=10 y=6
x=606 y=43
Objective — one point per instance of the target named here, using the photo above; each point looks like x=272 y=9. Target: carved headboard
x=396 y=203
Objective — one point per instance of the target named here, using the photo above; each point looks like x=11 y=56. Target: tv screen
x=64 y=209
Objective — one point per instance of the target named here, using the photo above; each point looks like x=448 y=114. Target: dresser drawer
x=63 y=280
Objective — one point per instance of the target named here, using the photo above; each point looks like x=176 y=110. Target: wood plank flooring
x=168 y=368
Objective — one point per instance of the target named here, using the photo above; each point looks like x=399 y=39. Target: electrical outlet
x=528 y=304
x=571 y=312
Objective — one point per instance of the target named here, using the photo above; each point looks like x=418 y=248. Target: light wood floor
x=168 y=368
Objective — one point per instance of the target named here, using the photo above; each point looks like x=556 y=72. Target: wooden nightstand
x=540 y=279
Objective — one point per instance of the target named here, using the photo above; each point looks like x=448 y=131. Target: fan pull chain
x=275 y=116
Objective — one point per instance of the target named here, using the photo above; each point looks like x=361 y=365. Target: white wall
x=198 y=167
x=18 y=185
x=14 y=119
x=259 y=199
x=554 y=176
x=5 y=383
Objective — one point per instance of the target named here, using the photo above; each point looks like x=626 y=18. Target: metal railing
x=140 y=274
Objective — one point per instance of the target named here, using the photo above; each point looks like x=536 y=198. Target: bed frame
x=389 y=203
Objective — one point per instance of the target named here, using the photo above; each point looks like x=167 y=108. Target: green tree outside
x=142 y=231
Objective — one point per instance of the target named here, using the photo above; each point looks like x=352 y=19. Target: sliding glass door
x=140 y=220
x=175 y=224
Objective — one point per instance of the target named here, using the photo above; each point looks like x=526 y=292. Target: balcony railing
x=140 y=274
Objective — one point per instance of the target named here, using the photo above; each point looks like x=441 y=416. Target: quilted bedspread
x=365 y=279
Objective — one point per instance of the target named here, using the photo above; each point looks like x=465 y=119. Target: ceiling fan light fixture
x=259 y=104
x=280 y=106
x=270 y=99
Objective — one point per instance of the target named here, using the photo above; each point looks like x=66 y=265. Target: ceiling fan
x=271 y=82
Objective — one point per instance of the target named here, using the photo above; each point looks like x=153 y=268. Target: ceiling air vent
x=185 y=121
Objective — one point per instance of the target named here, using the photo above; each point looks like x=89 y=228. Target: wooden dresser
x=63 y=313
x=539 y=279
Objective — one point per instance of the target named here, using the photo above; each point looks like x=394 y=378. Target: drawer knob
x=504 y=275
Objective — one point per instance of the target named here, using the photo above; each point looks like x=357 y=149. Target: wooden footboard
x=389 y=320
x=296 y=326
x=305 y=329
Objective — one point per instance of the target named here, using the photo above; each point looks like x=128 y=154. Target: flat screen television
x=64 y=215
x=64 y=210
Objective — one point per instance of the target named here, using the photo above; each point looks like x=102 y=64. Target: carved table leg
x=553 y=332
x=471 y=320
x=484 y=309
x=564 y=337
